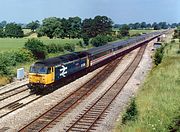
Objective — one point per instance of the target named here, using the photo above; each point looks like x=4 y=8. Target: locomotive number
x=83 y=65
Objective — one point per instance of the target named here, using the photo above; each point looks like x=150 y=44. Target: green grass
x=132 y=32
x=26 y=31
x=158 y=101
x=138 y=31
x=16 y=43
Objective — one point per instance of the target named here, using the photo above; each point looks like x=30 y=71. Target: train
x=44 y=73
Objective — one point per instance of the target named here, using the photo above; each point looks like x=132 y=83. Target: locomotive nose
x=37 y=79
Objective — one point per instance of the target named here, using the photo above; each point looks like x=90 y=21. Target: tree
x=143 y=25
x=13 y=30
x=75 y=31
x=148 y=26
x=154 y=24
x=173 y=25
x=58 y=33
x=163 y=25
x=157 y=27
x=33 y=25
x=101 y=25
x=2 y=33
x=66 y=27
x=137 y=25
x=49 y=26
x=177 y=33
x=69 y=47
x=85 y=39
x=99 y=40
x=37 y=48
x=3 y=24
x=131 y=26
x=87 y=27
x=117 y=25
x=124 y=30
x=158 y=55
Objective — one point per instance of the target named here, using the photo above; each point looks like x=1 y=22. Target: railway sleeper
x=89 y=118
x=16 y=106
x=80 y=127
x=93 y=113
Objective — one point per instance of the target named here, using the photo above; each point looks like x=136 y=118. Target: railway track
x=89 y=119
x=66 y=105
x=15 y=105
x=13 y=92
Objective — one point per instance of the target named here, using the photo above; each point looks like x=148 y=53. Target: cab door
x=50 y=76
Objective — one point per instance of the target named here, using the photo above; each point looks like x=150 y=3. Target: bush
x=158 y=55
x=80 y=44
x=110 y=38
x=38 y=49
x=60 y=48
x=124 y=30
x=85 y=39
x=119 y=36
x=99 y=40
x=2 y=34
x=23 y=55
x=55 y=48
x=69 y=47
x=173 y=41
x=174 y=126
x=4 y=65
x=11 y=58
x=131 y=112
x=14 y=30
x=178 y=52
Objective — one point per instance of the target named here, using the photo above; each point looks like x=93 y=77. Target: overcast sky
x=120 y=11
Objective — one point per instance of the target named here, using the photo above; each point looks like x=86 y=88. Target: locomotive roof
x=61 y=59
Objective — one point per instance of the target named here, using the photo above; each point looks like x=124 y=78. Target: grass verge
x=158 y=101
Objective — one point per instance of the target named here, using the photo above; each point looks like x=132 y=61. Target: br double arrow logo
x=63 y=71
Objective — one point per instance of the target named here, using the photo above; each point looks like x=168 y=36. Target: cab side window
x=49 y=70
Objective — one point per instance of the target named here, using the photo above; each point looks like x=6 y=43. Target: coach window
x=52 y=69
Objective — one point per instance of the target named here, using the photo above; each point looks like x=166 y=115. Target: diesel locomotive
x=44 y=73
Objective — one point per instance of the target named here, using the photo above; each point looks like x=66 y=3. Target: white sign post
x=20 y=73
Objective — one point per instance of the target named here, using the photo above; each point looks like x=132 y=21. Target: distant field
x=26 y=31
x=13 y=43
x=132 y=32
x=140 y=31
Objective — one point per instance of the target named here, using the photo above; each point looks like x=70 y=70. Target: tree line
x=144 y=25
x=75 y=27
x=11 y=30
x=53 y=27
